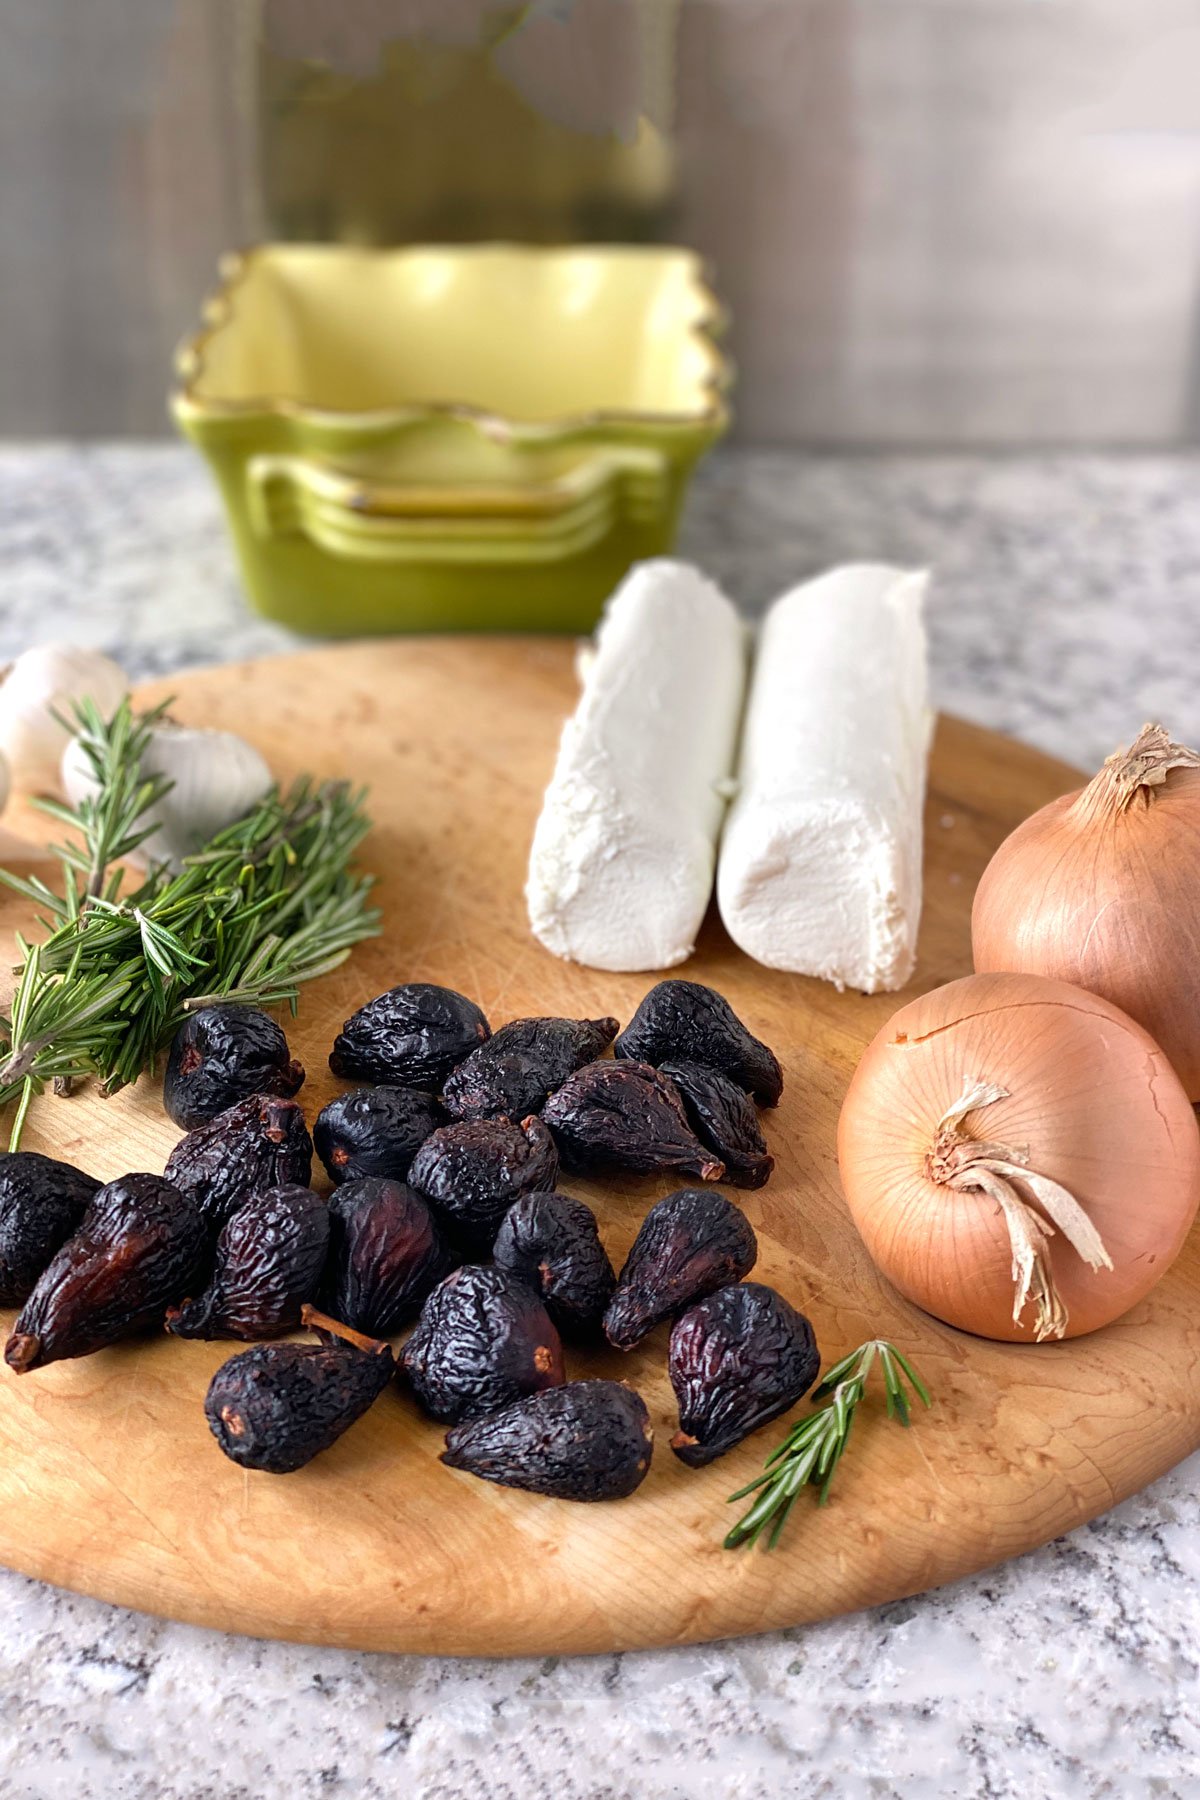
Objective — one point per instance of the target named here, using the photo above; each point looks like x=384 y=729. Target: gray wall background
x=936 y=221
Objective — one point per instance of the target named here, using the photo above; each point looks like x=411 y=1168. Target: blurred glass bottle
x=398 y=121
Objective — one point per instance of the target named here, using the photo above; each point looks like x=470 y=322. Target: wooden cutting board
x=111 y=1484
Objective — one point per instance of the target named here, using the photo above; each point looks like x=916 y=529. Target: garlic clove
x=42 y=681
x=218 y=778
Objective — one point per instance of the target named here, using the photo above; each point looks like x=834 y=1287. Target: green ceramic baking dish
x=451 y=438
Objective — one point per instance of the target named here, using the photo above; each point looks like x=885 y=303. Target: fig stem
x=312 y=1320
x=21 y=1351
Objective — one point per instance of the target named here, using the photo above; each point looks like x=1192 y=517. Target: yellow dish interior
x=529 y=335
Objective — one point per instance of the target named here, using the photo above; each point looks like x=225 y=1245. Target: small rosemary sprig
x=815 y=1445
x=269 y=903
x=112 y=822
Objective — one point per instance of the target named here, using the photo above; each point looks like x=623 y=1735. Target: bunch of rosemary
x=268 y=903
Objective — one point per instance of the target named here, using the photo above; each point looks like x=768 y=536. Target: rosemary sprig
x=112 y=822
x=269 y=903
x=815 y=1445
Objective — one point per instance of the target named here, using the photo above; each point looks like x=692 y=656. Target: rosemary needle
x=270 y=902
x=812 y=1449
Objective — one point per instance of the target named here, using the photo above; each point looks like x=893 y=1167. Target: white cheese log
x=623 y=856
x=820 y=865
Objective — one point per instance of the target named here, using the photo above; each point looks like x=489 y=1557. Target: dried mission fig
x=473 y=1170
x=589 y=1440
x=519 y=1067
x=723 y=1116
x=690 y=1244
x=685 y=1021
x=259 y=1143
x=553 y=1243
x=223 y=1054
x=737 y=1360
x=412 y=1036
x=374 y=1131
x=386 y=1253
x=140 y=1245
x=483 y=1341
x=277 y=1406
x=42 y=1202
x=626 y=1116
x=269 y=1259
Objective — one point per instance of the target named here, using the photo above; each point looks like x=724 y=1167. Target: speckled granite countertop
x=1066 y=610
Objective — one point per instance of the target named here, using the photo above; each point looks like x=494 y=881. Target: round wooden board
x=111 y=1484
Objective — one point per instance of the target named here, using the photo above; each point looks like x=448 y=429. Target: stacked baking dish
x=429 y=439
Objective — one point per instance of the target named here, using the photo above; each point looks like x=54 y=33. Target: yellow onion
x=1019 y=1157
x=1102 y=888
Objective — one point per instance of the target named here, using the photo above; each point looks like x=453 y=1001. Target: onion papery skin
x=1092 y=1101
x=1109 y=903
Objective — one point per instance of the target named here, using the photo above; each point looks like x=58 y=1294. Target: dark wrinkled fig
x=42 y=1202
x=737 y=1360
x=626 y=1116
x=686 y=1022
x=519 y=1067
x=589 y=1440
x=259 y=1143
x=140 y=1245
x=223 y=1054
x=690 y=1244
x=483 y=1341
x=277 y=1406
x=412 y=1036
x=270 y=1256
x=723 y=1116
x=473 y=1170
x=386 y=1254
x=553 y=1243
x=374 y=1131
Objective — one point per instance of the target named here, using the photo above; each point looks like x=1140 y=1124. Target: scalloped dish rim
x=219 y=310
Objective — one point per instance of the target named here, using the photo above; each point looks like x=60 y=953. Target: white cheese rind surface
x=820 y=863
x=621 y=869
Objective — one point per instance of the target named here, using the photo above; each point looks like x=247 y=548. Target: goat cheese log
x=820 y=866
x=623 y=856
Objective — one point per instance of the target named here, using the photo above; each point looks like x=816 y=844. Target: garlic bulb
x=39 y=683
x=217 y=777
